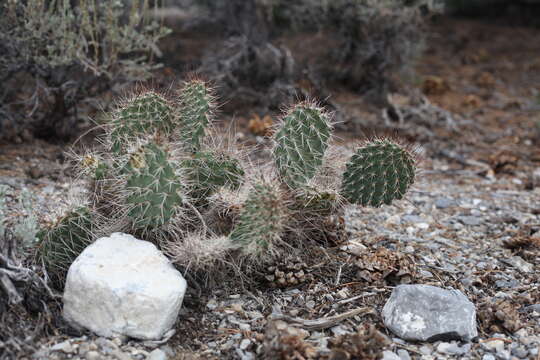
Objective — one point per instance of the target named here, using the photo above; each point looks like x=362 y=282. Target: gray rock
x=520 y=352
x=443 y=203
x=493 y=345
x=404 y=354
x=453 y=348
x=157 y=354
x=92 y=355
x=534 y=307
x=429 y=313
x=63 y=346
x=470 y=220
x=488 y=357
x=519 y=264
x=388 y=355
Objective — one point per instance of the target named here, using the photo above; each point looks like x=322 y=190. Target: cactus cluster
x=160 y=174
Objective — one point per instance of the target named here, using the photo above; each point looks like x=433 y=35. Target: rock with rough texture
x=120 y=285
x=429 y=313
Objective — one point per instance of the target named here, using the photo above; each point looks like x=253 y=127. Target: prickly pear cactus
x=195 y=112
x=378 y=173
x=209 y=170
x=261 y=221
x=60 y=245
x=141 y=115
x=153 y=188
x=301 y=142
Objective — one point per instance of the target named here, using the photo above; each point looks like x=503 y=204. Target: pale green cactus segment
x=261 y=221
x=301 y=143
x=61 y=244
x=153 y=188
x=142 y=115
x=195 y=112
x=378 y=173
x=210 y=170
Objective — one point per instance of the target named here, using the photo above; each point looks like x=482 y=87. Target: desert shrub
x=59 y=55
x=363 y=44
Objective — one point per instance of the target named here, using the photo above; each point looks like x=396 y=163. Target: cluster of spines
x=60 y=245
x=262 y=220
x=301 y=142
x=195 y=112
x=153 y=188
x=378 y=173
x=145 y=113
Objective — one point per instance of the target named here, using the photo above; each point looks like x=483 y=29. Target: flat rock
x=120 y=285
x=429 y=313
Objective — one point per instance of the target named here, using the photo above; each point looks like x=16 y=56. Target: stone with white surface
x=120 y=285
x=429 y=313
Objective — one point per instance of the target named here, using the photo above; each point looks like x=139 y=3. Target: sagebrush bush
x=58 y=56
x=366 y=45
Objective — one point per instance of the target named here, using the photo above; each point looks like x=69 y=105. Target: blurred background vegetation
x=64 y=60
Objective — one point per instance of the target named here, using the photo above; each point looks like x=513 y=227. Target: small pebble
x=157 y=354
x=92 y=355
x=404 y=354
x=244 y=344
x=388 y=355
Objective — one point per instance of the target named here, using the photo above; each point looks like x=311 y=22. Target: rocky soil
x=471 y=222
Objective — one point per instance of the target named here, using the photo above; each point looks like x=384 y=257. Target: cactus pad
x=195 y=111
x=261 y=221
x=60 y=245
x=210 y=170
x=301 y=143
x=153 y=188
x=143 y=114
x=378 y=173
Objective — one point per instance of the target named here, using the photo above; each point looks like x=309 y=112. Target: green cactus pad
x=153 y=188
x=261 y=221
x=60 y=245
x=144 y=114
x=378 y=173
x=195 y=111
x=301 y=143
x=210 y=170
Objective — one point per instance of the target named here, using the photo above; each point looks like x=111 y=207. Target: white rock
x=120 y=285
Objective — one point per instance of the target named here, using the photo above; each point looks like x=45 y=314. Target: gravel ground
x=475 y=233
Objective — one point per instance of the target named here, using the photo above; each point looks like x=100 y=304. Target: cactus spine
x=262 y=220
x=144 y=114
x=301 y=142
x=195 y=112
x=153 y=188
x=378 y=173
x=209 y=170
x=61 y=244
